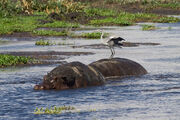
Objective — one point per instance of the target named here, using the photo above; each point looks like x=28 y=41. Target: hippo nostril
x=41 y=87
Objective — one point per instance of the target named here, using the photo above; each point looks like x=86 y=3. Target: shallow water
x=155 y=96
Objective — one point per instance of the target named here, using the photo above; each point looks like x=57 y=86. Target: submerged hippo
x=71 y=75
x=118 y=67
x=76 y=74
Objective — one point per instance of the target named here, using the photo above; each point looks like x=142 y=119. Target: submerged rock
x=77 y=75
x=71 y=75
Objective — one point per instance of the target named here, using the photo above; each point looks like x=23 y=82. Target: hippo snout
x=38 y=87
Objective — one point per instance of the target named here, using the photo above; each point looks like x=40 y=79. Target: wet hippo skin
x=118 y=67
x=77 y=75
x=71 y=75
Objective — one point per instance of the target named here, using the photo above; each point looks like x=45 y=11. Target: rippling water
x=155 y=96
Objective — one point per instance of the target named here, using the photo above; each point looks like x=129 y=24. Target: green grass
x=99 y=12
x=175 y=5
x=60 y=24
x=10 y=60
x=53 y=110
x=148 y=27
x=93 y=35
x=164 y=19
x=126 y=19
x=49 y=33
x=92 y=16
x=111 y=21
x=18 y=24
x=122 y=19
x=158 y=3
x=29 y=24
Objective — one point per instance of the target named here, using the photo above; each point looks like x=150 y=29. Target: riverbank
x=28 y=23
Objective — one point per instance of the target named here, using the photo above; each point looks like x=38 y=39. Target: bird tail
x=120 y=44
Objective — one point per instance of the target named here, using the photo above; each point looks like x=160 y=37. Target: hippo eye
x=69 y=82
x=64 y=78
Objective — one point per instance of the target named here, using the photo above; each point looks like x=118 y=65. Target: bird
x=111 y=42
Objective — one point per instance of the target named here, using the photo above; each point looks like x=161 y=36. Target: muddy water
x=155 y=96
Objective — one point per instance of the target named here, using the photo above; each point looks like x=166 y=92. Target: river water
x=155 y=96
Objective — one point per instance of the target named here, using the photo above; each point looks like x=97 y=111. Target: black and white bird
x=111 y=42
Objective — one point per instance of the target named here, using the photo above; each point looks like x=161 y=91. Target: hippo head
x=58 y=81
x=71 y=75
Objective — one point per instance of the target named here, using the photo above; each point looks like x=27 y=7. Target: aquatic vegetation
x=49 y=33
x=59 y=110
x=3 y=42
x=44 y=42
x=92 y=110
x=93 y=35
x=65 y=43
x=9 y=60
x=169 y=28
x=53 y=110
x=48 y=43
x=148 y=27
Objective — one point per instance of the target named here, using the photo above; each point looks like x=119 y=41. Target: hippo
x=77 y=75
x=118 y=67
x=71 y=75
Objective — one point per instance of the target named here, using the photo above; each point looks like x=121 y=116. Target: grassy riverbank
x=27 y=16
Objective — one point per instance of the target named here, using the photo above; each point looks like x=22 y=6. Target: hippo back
x=118 y=67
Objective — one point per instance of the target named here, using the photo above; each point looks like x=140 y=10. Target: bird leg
x=112 y=53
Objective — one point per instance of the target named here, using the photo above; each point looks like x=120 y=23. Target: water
x=155 y=96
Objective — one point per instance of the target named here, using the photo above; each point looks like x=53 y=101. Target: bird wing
x=117 y=39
